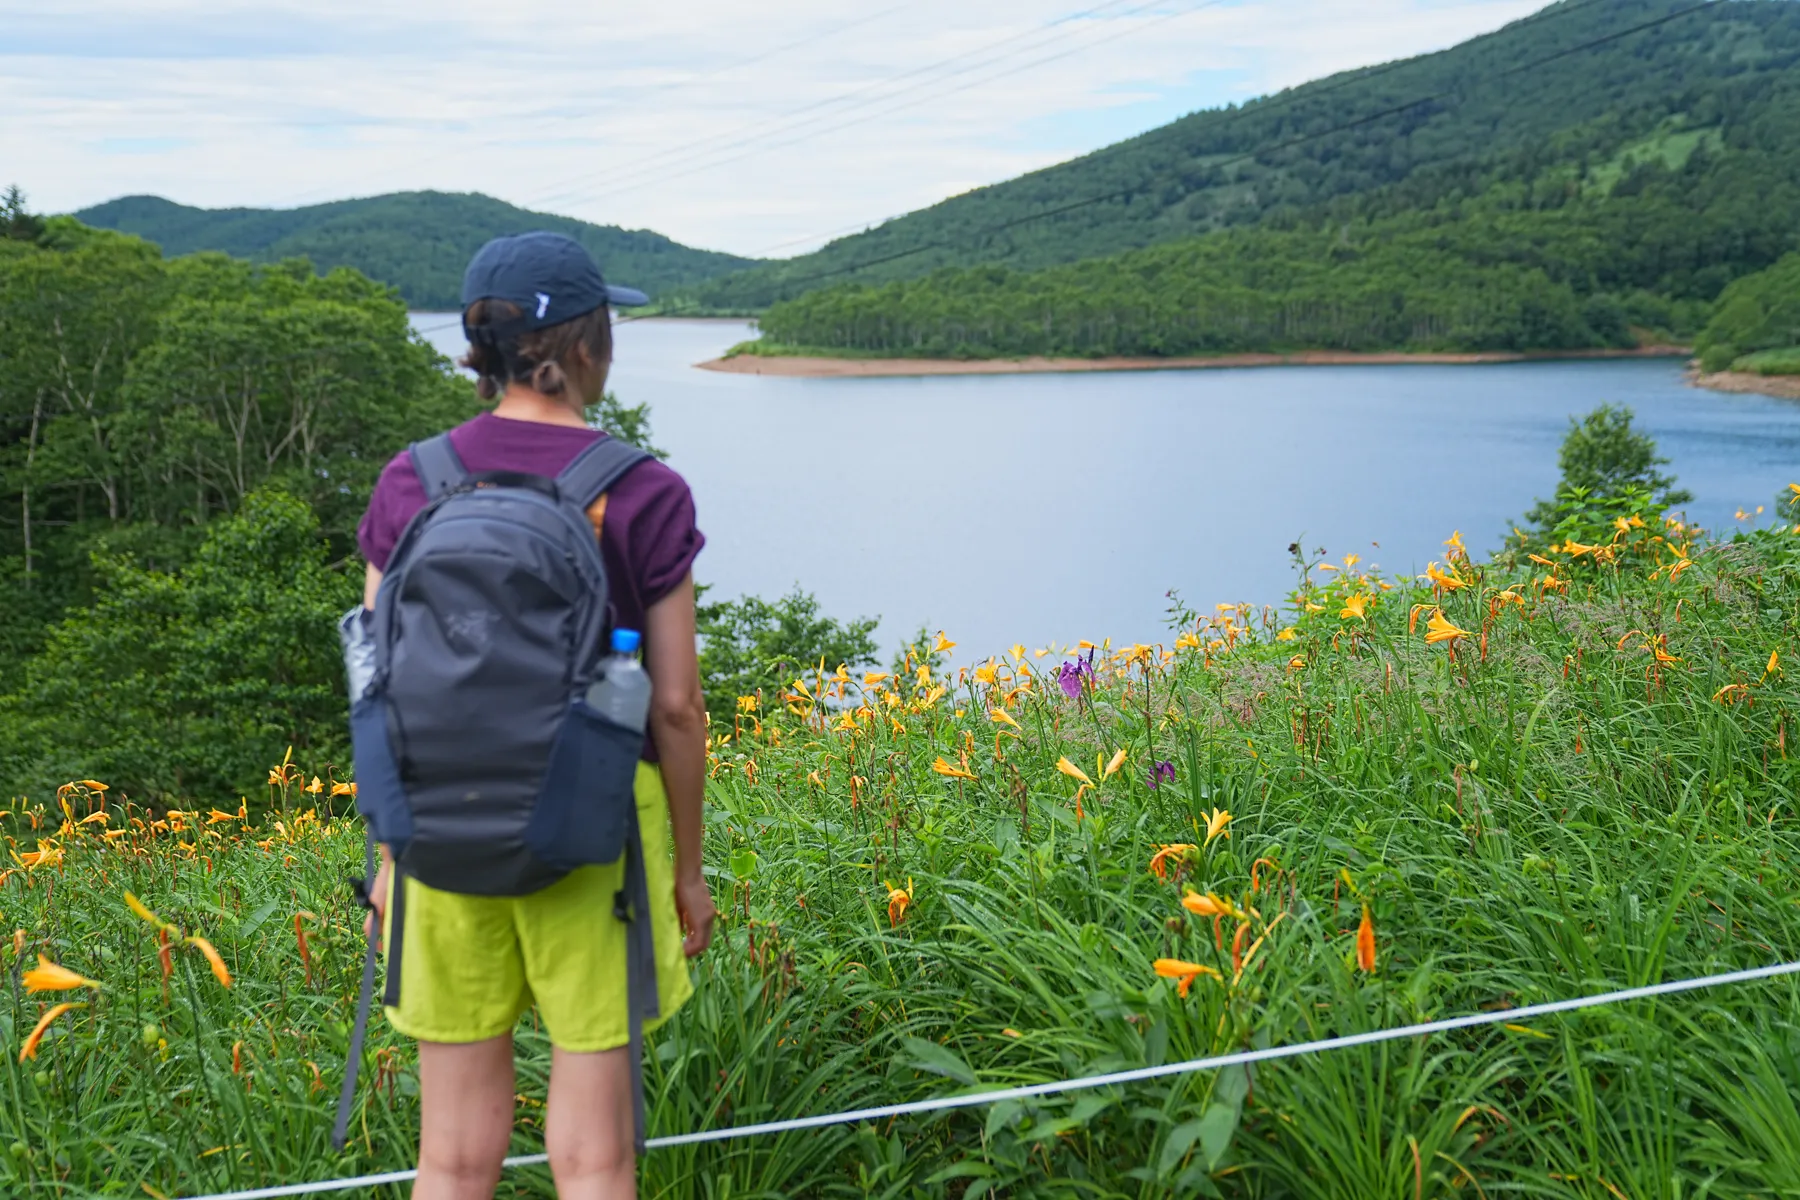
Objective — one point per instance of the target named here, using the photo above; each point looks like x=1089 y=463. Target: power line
x=1302 y=139
x=734 y=138
x=937 y=94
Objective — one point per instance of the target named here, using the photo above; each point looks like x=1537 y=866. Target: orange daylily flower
x=1159 y=862
x=1113 y=765
x=1440 y=629
x=1072 y=771
x=1449 y=580
x=48 y=854
x=1774 y=667
x=215 y=817
x=49 y=977
x=343 y=789
x=944 y=768
x=1365 y=942
x=1000 y=716
x=1731 y=693
x=1186 y=972
x=213 y=960
x=1297 y=663
x=943 y=645
x=1355 y=606
x=1286 y=635
x=899 y=900
x=1209 y=905
x=30 y=1048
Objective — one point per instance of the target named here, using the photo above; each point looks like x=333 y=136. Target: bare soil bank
x=1785 y=386
x=840 y=368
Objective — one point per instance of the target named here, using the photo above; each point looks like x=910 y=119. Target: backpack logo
x=471 y=631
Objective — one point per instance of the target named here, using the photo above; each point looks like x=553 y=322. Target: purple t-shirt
x=648 y=539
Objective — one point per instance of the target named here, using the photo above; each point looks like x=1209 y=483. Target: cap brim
x=624 y=297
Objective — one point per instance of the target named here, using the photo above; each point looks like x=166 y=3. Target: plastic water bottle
x=622 y=693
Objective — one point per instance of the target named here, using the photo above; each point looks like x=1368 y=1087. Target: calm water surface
x=1047 y=508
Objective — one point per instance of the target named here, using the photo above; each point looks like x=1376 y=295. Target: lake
x=1047 y=508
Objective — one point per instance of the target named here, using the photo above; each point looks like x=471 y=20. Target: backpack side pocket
x=380 y=796
x=583 y=810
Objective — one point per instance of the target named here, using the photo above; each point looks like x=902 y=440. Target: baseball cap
x=551 y=278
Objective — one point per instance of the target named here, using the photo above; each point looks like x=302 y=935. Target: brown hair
x=542 y=358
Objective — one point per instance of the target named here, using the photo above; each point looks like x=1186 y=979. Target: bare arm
x=678 y=724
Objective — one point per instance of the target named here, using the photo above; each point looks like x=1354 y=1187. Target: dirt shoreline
x=797 y=366
x=1785 y=387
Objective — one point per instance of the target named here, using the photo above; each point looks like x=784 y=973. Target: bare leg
x=466 y=1116
x=588 y=1129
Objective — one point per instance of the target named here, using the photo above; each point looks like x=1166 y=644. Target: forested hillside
x=417 y=241
x=1501 y=118
x=186 y=446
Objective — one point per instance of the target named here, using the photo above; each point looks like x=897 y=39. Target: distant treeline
x=418 y=242
x=1553 y=261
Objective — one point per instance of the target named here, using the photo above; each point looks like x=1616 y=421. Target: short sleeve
x=398 y=495
x=663 y=540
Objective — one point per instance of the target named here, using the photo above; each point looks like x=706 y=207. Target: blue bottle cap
x=626 y=641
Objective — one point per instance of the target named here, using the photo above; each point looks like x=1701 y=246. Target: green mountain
x=418 y=242
x=1570 y=105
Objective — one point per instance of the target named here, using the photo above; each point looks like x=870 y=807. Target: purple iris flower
x=1068 y=677
x=1161 y=771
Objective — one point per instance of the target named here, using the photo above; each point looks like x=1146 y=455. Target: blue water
x=1048 y=508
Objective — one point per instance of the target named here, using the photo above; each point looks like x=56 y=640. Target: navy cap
x=550 y=277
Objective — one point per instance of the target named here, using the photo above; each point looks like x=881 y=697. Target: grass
x=1588 y=786
x=1770 y=362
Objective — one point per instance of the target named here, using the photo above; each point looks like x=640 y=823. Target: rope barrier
x=972 y=1099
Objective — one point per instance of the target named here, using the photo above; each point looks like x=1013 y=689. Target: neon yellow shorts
x=471 y=965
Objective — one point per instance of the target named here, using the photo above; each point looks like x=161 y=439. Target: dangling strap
x=632 y=905
x=353 y=1057
x=390 y=995
x=437 y=464
x=597 y=468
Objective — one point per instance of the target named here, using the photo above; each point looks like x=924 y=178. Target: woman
x=536 y=311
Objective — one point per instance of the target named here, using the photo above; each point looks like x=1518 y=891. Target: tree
x=750 y=645
x=187 y=684
x=1605 y=461
x=16 y=222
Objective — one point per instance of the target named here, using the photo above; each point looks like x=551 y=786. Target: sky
x=764 y=129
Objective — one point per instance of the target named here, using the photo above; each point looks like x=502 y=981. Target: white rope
x=970 y=1099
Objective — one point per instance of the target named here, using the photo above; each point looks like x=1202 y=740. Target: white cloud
x=755 y=128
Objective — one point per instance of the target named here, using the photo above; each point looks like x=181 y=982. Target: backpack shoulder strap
x=437 y=464
x=596 y=469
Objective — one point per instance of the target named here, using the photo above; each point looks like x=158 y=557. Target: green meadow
x=1562 y=769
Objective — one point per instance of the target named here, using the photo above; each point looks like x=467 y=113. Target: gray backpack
x=478 y=760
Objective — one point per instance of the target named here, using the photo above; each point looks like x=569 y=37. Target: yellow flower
x=1000 y=716
x=1575 y=549
x=1365 y=942
x=49 y=977
x=1439 y=629
x=1354 y=607
x=137 y=906
x=30 y=1048
x=1215 y=824
x=1286 y=635
x=1112 y=766
x=1774 y=667
x=1731 y=693
x=1072 y=771
x=944 y=768
x=988 y=673
x=213 y=960
x=1297 y=663
x=1541 y=560
x=1186 y=972
x=216 y=816
x=944 y=645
